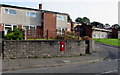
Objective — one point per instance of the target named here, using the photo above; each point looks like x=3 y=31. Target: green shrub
x=71 y=36
x=60 y=36
x=68 y=37
x=86 y=38
x=16 y=34
x=70 y=33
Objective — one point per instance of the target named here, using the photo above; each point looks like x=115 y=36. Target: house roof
x=100 y=29
x=4 y=5
x=54 y=12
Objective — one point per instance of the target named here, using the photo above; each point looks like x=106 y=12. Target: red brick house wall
x=49 y=25
x=114 y=33
x=86 y=30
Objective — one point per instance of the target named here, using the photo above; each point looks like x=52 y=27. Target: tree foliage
x=83 y=20
x=107 y=25
x=69 y=19
x=116 y=26
x=97 y=24
x=86 y=21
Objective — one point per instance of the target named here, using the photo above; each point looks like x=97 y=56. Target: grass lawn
x=114 y=42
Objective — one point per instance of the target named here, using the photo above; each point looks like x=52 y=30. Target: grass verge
x=113 y=42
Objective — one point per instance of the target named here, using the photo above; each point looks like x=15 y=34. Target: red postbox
x=62 y=46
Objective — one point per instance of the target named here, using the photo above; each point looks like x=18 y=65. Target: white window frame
x=8 y=12
x=6 y=27
x=29 y=26
x=28 y=13
x=60 y=17
x=14 y=25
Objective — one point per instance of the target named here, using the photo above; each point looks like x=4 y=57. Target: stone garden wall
x=41 y=48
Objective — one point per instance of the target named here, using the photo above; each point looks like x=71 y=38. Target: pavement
x=27 y=63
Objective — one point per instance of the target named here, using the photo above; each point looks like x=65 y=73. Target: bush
x=60 y=36
x=69 y=36
x=70 y=33
x=86 y=38
x=16 y=34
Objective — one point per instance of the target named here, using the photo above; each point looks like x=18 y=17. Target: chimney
x=40 y=6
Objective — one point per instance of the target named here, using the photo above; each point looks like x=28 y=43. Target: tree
x=97 y=24
x=107 y=25
x=116 y=26
x=69 y=19
x=71 y=22
x=79 y=19
x=83 y=20
x=86 y=20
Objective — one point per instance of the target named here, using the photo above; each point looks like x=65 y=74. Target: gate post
x=1 y=45
x=1 y=40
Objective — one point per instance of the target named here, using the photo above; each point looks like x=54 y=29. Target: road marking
x=66 y=61
x=111 y=71
x=107 y=72
x=109 y=60
x=117 y=59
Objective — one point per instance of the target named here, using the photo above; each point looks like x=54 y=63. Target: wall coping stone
x=43 y=40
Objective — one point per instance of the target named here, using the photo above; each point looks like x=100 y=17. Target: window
x=15 y=26
x=102 y=35
x=29 y=27
x=7 y=27
x=94 y=35
x=6 y=11
x=32 y=27
x=10 y=11
x=60 y=17
x=31 y=14
x=13 y=12
x=25 y=27
x=60 y=31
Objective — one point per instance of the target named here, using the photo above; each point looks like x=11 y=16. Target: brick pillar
x=1 y=31
x=1 y=41
x=1 y=27
x=20 y=26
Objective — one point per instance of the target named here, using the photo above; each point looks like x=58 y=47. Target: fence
x=33 y=33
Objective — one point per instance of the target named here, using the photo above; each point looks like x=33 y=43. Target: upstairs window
x=6 y=11
x=10 y=11
x=60 y=17
x=31 y=14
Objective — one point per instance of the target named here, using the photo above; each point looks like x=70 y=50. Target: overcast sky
x=104 y=11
